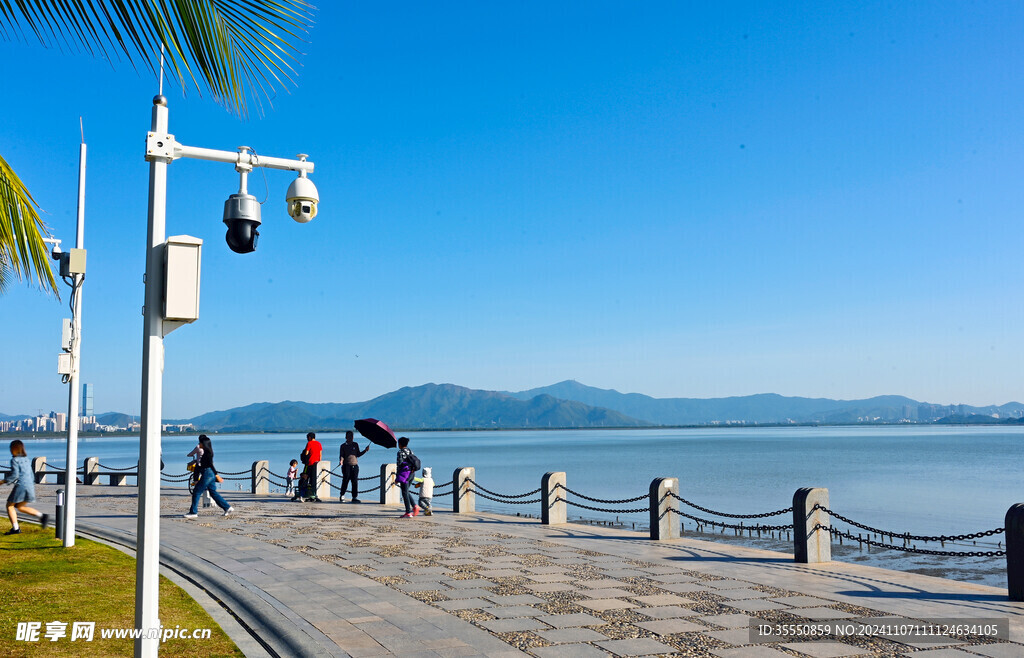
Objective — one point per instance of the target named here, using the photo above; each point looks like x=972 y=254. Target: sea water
x=926 y=480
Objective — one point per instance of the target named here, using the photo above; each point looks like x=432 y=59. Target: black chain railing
x=835 y=532
x=732 y=526
x=247 y=471
x=495 y=493
x=442 y=486
x=906 y=536
x=111 y=468
x=600 y=509
x=366 y=491
x=598 y=500
x=165 y=478
x=504 y=500
x=731 y=516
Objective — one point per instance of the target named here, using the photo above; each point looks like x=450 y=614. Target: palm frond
x=23 y=253
x=239 y=50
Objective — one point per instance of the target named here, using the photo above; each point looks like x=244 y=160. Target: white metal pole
x=148 y=553
x=71 y=461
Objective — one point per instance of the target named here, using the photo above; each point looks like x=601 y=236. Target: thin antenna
x=161 y=92
x=81 y=128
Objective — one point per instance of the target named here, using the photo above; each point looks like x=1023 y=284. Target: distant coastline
x=469 y=430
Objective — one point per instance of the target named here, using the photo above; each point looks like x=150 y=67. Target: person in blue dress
x=207 y=480
x=24 y=491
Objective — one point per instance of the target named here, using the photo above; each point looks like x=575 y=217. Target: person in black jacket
x=349 y=457
x=208 y=479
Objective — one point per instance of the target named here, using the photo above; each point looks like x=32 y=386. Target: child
x=24 y=491
x=426 y=487
x=293 y=471
x=302 y=490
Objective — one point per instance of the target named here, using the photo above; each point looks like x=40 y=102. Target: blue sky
x=677 y=200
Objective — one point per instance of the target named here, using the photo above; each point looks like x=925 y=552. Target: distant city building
x=87 y=409
x=62 y=422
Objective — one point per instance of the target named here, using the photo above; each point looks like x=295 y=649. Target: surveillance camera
x=242 y=215
x=302 y=199
x=55 y=252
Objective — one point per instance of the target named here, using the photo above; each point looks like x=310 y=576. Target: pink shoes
x=415 y=511
x=407 y=515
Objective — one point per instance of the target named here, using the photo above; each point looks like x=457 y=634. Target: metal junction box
x=182 y=256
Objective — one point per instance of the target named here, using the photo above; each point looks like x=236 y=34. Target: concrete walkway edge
x=260 y=618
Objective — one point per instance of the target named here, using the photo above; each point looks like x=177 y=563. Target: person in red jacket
x=311 y=455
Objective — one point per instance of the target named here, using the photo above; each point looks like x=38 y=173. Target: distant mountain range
x=570 y=404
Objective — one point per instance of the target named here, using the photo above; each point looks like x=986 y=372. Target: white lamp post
x=241 y=214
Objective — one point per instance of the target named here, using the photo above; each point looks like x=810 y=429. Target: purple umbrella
x=377 y=432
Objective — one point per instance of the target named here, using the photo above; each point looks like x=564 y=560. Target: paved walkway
x=336 y=579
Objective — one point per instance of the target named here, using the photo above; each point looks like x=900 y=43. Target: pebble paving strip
x=450 y=553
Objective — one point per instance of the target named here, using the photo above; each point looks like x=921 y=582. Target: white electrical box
x=64 y=364
x=182 y=256
x=65 y=334
x=72 y=262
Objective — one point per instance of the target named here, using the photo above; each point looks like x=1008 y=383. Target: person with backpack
x=407 y=465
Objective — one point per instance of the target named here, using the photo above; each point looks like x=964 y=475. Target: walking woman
x=208 y=479
x=24 y=491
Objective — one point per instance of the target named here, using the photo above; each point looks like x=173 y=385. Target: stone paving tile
x=576 y=619
x=505 y=612
x=666 y=612
x=611 y=593
x=606 y=604
x=661 y=599
x=563 y=635
x=510 y=625
x=515 y=599
x=671 y=626
x=604 y=583
x=827 y=649
x=821 y=613
x=942 y=653
x=471 y=593
x=758 y=651
x=741 y=593
x=641 y=646
x=755 y=605
x=801 y=601
x=463 y=604
x=734 y=620
x=737 y=636
x=998 y=650
x=550 y=587
x=685 y=588
x=623 y=573
x=726 y=584
x=570 y=651
x=550 y=577
x=673 y=578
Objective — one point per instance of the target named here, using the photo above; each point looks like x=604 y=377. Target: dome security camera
x=302 y=198
x=242 y=216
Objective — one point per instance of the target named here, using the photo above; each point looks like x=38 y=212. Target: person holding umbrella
x=349 y=455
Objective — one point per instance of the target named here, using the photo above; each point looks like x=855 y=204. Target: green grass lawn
x=41 y=581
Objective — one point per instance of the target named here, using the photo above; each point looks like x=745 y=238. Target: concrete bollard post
x=664 y=520
x=811 y=546
x=118 y=479
x=38 y=466
x=463 y=494
x=552 y=498
x=260 y=477
x=91 y=471
x=388 y=487
x=1015 y=552
x=322 y=473
x=207 y=499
